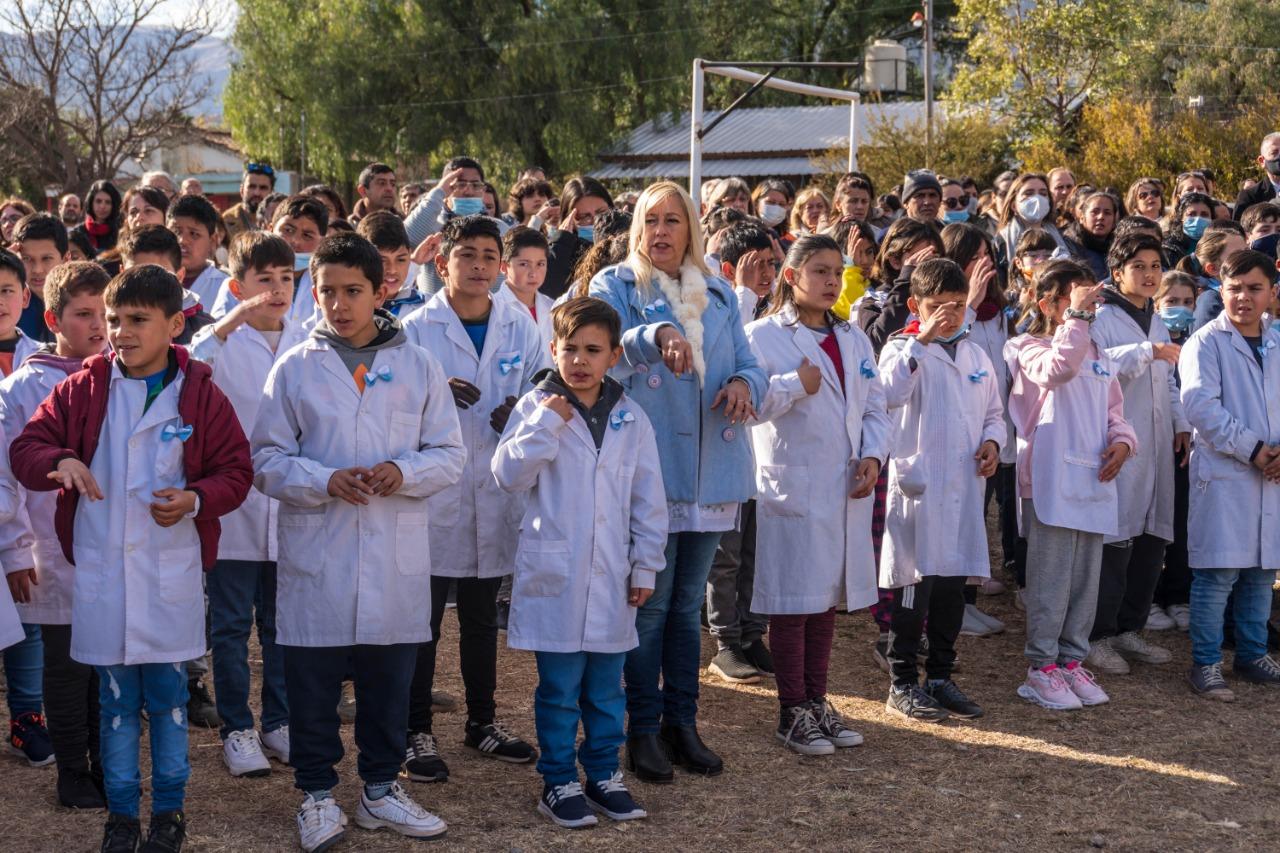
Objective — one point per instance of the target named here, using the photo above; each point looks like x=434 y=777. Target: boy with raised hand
x=524 y=265
x=357 y=428
x=303 y=221
x=195 y=223
x=460 y=192
x=490 y=351
x=148 y=455
x=42 y=244
x=591 y=542
x=40 y=577
x=241 y=348
x=386 y=232
x=158 y=246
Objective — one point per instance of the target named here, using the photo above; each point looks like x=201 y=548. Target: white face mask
x=1033 y=208
x=772 y=214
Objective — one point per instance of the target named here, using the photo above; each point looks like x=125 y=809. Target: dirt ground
x=1157 y=769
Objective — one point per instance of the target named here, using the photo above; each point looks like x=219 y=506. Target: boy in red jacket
x=148 y=454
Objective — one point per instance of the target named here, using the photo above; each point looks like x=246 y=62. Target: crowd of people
x=593 y=422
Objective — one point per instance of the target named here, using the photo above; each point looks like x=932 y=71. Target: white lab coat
x=991 y=335
x=23 y=349
x=542 y=303
x=942 y=412
x=813 y=543
x=240 y=368
x=208 y=285
x=347 y=574
x=304 y=311
x=138 y=592
x=28 y=539
x=1234 y=515
x=11 y=630
x=473 y=522
x=595 y=526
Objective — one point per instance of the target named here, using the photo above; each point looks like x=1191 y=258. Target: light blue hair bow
x=865 y=368
x=977 y=375
x=620 y=417
x=181 y=432
x=382 y=374
x=1100 y=370
x=506 y=365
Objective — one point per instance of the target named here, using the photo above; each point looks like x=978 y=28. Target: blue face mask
x=1211 y=283
x=587 y=234
x=955 y=216
x=301 y=260
x=468 y=206
x=1194 y=226
x=960 y=333
x=1177 y=320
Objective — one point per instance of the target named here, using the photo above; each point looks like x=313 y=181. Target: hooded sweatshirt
x=359 y=360
x=597 y=417
x=1141 y=316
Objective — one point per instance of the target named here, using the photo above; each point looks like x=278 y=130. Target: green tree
x=1225 y=51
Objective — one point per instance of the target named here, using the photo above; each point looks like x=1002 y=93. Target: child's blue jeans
x=123 y=692
x=573 y=686
x=24 y=673
x=1209 y=591
x=241 y=593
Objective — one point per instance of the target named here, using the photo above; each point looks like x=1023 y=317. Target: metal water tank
x=885 y=67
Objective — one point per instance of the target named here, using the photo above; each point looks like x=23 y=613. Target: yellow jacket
x=853 y=287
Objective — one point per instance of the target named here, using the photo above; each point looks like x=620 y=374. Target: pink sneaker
x=1048 y=689
x=1081 y=683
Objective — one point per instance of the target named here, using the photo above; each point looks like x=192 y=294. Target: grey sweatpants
x=1062 y=589
x=730 y=584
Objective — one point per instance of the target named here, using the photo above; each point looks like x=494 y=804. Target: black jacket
x=1262 y=191
x=565 y=252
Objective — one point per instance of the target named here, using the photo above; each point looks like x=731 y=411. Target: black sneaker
x=951 y=697
x=914 y=704
x=566 y=806
x=611 y=798
x=832 y=725
x=200 y=708
x=493 y=740
x=880 y=653
x=166 y=834
x=121 y=834
x=78 y=790
x=799 y=731
x=732 y=665
x=759 y=656
x=504 y=614
x=422 y=761
x=1264 y=670
x=29 y=739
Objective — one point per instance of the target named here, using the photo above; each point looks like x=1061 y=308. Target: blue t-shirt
x=155 y=384
x=476 y=330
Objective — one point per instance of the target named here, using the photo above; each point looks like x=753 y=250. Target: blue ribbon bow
x=977 y=375
x=620 y=417
x=865 y=368
x=1100 y=370
x=657 y=306
x=506 y=365
x=1266 y=348
x=181 y=432
x=382 y=374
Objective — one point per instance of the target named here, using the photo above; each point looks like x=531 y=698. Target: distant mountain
x=212 y=57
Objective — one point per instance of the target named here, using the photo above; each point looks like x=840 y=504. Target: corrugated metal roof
x=764 y=129
x=758 y=166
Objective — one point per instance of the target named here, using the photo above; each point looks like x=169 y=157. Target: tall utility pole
x=928 y=82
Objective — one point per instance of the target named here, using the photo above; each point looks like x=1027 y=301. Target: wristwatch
x=1076 y=313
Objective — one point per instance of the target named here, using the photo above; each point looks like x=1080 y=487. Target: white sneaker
x=1132 y=645
x=1049 y=690
x=275 y=744
x=991 y=586
x=1104 y=658
x=320 y=824
x=399 y=813
x=242 y=752
x=1181 y=616
x=1081 y=682
x=976 y=623
x=1158 y=620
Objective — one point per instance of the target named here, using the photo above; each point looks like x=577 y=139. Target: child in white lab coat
x=40 y=577
x=822 y=437
x=490 y=350
x=591 y=542
x=524 y=267
x=1068 y=409
x=1231 y=394
x=944 y=400
x=148 y=424
x=356 y=430
x=241 y=347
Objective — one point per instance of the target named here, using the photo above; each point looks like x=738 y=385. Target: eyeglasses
x=1036 y=257
x=468 y=185
x=260 y=169
x=956 y=203
x=11 y=218
x=1146 y=194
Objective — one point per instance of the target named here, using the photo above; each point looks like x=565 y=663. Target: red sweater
x=68 y=423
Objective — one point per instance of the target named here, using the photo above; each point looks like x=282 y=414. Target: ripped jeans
x=124 y=691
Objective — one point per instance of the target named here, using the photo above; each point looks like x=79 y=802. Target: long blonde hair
x=637 y=259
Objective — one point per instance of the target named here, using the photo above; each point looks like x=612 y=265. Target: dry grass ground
x=1158 y=769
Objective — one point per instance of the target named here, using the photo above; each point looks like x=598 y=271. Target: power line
x=500 y=98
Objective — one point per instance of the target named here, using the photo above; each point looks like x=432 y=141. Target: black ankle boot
x=688 y=750
x=647 y=758
x=121 y=834
x=167 y=832
x=77 y=790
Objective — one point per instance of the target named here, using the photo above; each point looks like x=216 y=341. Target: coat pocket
x=181 y=578
x=908 y=475
x=542 y=568
x=784 y=490
x=1078 y=480
x=404 y=434
x=413 y=554
x=302 y=546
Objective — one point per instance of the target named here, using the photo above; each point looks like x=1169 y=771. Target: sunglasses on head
x=260 y=169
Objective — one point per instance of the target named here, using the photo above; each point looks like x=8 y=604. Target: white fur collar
x=688 y=300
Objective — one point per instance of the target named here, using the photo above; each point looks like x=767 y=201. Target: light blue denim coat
x=704 y=457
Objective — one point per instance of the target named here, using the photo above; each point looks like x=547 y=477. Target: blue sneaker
x=566 y=806
x=1264 y=670
x=612 y=799
x=29 y=738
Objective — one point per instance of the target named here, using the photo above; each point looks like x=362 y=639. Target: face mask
x=587 y=234
x=1193 y=226
x=955 y=216
x=1211 y=283
x=301 y=260
x=468 y=206
x=1266 y=245
x=960 y=333
x=1177 y=320
x=772 y=214
x=973 y=205
x=1033 y=209
x=1272 y=167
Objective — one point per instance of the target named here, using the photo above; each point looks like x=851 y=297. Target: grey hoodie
x=390 y=334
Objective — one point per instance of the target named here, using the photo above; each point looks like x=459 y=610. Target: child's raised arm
x=1058 y=363
x=530 y=442
x=42 y=444
x=899 y=370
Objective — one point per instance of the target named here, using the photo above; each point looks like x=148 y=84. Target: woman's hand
x=736 y=396
x=677 y=354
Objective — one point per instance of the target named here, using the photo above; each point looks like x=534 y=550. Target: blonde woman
x=687 y=363
x=810 y=213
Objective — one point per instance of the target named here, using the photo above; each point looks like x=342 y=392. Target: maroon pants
x=801 y=647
